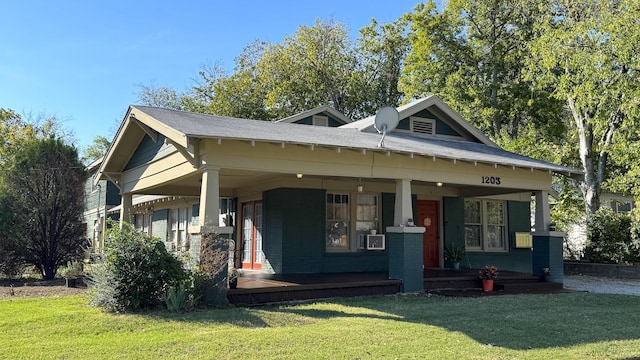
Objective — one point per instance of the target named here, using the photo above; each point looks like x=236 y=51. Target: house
x=99 y=198
x=318 y=193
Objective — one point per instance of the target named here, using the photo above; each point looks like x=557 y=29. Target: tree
x=96 y=150
x=45 y=187
x=380 y=52
x=588 y=53
x=472 y=54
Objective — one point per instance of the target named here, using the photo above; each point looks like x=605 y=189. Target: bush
x=135 y=272
x=609 y=238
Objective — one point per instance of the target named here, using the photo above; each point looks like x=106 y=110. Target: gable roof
x=183 y=127
x=337 y=115
x=367 y=124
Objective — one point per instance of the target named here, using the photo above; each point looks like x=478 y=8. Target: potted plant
x=455 y=255
x=233 y=278
x=72 y=272
x=488 y=275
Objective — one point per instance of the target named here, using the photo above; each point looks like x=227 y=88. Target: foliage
x=471 y=54
x=598 y=326
x=73 y=270
x=180 y=298
x=490 y=272
x=586 y=54
x=233 y=274
x=97 y=149
x=454 y=253
x=45 y=188
x=135 y=273
x=12 y=251
x=609 y=238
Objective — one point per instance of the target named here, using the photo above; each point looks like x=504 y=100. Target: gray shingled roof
x=208 y=126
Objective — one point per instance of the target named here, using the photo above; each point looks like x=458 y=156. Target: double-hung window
x=484 y=225
x=178 y=228
x=346 y=232
x=337 y=221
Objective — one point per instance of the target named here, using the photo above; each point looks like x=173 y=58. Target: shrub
x=135 y=273
x=609 y=238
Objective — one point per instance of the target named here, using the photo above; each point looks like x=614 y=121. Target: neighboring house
x=327 y=199
x=99 y=198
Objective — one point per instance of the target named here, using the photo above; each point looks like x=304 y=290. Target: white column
x=403 y=208
x=210 y=198
x=543 y=214
x=125 y=212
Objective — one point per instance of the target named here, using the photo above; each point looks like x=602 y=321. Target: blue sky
x=83 y=61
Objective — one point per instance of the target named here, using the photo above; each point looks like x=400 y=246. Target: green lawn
x=562 y=326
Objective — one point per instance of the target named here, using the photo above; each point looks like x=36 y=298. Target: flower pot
x=456 y=266
x=71 y=282
x=487 y=285
x=233 y=283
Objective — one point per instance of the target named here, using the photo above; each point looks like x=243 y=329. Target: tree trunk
x=590 y=186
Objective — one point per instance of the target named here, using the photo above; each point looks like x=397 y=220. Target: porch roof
x=181 y=127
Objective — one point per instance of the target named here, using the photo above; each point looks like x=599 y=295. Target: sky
x=84 y=61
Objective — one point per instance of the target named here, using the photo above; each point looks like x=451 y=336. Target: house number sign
x=493 y=180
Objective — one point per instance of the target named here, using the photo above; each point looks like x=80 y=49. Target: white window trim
x=353 y=237
x=484 y=228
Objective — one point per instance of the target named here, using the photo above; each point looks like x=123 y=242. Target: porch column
x=543 y=214
x=403 y=209
x=405 y=242
x=126 y=204
x=210 y=198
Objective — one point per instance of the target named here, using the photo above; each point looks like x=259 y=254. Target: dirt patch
x=38 y=288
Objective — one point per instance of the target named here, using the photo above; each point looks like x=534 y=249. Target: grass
x=567 y=326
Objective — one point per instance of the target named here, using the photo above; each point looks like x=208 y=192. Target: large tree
x=588 y=53
x=471 y=53
x=45 y=187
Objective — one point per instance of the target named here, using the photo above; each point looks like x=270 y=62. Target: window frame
x=485 y=227
x=356 y=239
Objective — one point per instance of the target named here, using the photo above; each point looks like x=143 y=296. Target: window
x=366 y=217
x=346 y=232
x=178 y=219
x=484 y=224
x=337 y=221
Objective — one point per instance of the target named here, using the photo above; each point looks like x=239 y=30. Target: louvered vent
x=320 y=120
x=426 y=127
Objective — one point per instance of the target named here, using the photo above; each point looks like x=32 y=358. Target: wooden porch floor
x=256 y=288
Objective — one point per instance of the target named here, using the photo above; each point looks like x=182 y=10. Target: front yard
x=567 y=326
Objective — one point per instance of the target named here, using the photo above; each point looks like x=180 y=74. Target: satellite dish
x=386 y=120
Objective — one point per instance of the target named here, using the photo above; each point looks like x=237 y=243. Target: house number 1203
x=493 y=180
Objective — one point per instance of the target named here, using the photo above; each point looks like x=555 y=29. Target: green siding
x=442 y=128
x=148 y=150
x=294 y=236
x=113 y=194
x=159 y=222
x=309 y=121
x=518 y=220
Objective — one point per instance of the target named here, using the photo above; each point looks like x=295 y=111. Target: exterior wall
x=294 y=236
x=159 y=222
x=442 y=128
x=518 y=215
x=148 y=151
x=309 y=120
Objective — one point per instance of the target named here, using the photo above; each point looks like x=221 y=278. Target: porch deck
x=259 y=288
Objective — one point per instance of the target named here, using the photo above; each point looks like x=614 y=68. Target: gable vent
x=423 y=126
x=320 y=120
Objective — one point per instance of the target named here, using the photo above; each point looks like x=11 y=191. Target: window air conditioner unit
x=375 y=242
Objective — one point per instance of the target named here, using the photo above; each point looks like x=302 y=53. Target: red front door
x=428 y=217
x=252 y=255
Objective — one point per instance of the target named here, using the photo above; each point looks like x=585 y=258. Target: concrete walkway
x=602 y=285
